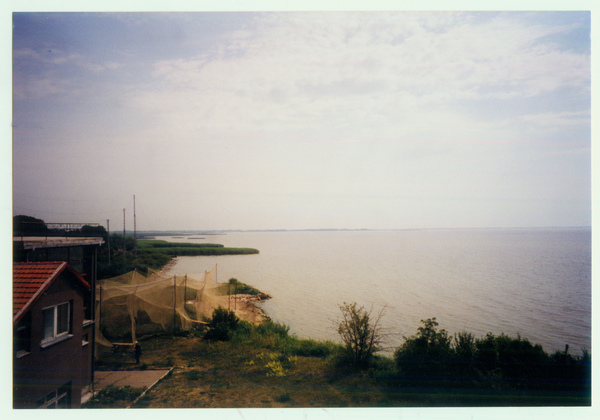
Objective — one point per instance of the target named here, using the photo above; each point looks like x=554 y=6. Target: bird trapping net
x=133 y=304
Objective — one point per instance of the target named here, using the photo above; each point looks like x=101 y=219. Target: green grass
x=225 y=289
x=157 y=243
x=153 y=247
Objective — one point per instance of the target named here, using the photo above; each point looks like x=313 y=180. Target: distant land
x=226 y=231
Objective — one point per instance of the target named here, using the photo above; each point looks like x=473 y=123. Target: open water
x=532 y=282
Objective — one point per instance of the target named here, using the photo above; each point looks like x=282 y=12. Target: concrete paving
x=133 y=378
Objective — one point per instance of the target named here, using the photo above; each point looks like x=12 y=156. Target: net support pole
x=99 y=306
x=131 y=315
x=174 y=300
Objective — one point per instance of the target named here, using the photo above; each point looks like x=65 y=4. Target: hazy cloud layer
x=304 y=120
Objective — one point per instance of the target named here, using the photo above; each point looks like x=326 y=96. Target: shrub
x=274 y=368
x=361 y=333
x=427 y=353
x=283 y=397
x=222 y=325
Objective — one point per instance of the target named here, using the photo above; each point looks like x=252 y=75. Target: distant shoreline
x=184 y=233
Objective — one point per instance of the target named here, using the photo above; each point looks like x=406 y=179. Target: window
x=61 y=398
x=56 y=321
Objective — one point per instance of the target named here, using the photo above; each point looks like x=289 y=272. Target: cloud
x=308 y=112
x=358 y=70
x=559 y=119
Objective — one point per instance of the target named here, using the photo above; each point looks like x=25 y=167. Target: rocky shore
x=244 y=307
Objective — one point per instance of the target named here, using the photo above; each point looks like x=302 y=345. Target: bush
x=222 y=325
x=426 y=354
x=360 y=332
x=283 y=397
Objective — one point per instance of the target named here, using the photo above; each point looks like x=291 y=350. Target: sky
x=303 y=120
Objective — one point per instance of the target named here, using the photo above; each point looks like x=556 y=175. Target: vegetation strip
x=237 y=364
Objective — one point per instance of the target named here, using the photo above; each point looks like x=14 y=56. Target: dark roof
x=31 y=279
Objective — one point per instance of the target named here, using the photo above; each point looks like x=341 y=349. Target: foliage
x=425 y=353
x=28 y=226
x=154 y=246
x=275 y=328
x=277 y=363
x=222 y=325
x=361 y=333
x=235 y=374
x=159 y=243
x=151 y=254
x=283 y=397
x=492 y=362
x=89 y=230
x=275 y=336
x=236 y=287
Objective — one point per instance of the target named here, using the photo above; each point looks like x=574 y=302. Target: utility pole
x=108 y=229
x=134 y=231
x=124 y=242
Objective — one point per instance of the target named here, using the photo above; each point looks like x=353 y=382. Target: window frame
x=58 y=398
x=57 y=318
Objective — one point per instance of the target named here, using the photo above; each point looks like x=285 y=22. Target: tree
x=361 y=332
x=428 y=352
x=29 y=226
x=94 y=230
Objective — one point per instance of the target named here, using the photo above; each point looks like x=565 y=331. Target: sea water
x=531 y=282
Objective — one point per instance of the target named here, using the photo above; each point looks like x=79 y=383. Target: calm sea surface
x=535 y=282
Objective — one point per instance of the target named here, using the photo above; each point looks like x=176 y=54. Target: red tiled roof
x=31 y=279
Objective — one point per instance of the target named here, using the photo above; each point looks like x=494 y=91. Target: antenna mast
x=124 y=242
x=108 y=237
x=134 y=231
